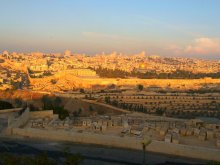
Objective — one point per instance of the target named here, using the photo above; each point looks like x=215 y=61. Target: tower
x=67 y=53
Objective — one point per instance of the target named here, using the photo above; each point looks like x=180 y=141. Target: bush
x=41 y=159
x=5 y=105
x=90 y=108
x=101 y=112
x=10 y=159
x=82 y=90
x=18 y=102
x=61 y=112
x=53 y=81
x=213 y=163
x=55 y=105
x=33 y=108
x=140 y=87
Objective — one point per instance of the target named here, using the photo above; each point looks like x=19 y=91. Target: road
x=94 y=155
x=106 y=105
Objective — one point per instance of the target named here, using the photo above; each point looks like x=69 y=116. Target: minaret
x=6 y=54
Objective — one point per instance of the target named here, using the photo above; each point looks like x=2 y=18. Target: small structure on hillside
x=168 y=138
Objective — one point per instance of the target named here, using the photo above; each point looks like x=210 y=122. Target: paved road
x=94 y=155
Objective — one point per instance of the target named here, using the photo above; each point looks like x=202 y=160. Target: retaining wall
x=10 y=110
x=41 y=114
x=19 y=121
x=122 y=142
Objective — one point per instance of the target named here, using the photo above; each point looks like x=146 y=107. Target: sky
x=185 y=28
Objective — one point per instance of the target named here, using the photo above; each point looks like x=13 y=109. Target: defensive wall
x=68 y=81
x=4 y=114
x=175 y=83
x=15 y=128
x=10 y=110
x=121 y=142
x=19 y=121
x=41 y=114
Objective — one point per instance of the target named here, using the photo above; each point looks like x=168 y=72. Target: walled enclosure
x=121 y=142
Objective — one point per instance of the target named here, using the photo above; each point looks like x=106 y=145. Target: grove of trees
x=55 y=104
x=178 y=74
x=41 y=159
x=5 y=105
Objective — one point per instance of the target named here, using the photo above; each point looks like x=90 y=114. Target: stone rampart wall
x=20 y=120
x=122 y=142
x=173 y=83
x=41 y=114
x=10 y=110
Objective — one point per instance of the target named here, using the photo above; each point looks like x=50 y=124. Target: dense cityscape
x=110 y=82
x=18 y=68
x=103 y=96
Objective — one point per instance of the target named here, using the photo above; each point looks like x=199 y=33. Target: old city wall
x=67 y=81
x=4 y=114
x=41 y=114
x=63 y=81
x=186 y=83
x=10 y=110
x=121 y=142
x=19 y=121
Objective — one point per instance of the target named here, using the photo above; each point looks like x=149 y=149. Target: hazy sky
x=189 y=28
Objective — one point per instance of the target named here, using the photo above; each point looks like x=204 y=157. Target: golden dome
x=142 y=66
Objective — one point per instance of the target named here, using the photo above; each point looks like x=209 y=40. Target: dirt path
x=106 y=105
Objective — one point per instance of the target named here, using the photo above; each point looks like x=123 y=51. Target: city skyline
x=110 y=82
x=171 y=28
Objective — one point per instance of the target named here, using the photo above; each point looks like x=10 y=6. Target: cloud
x=175 y=49
x=204 y=46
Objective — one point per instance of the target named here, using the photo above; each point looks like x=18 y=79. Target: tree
x=90 y=108
x=79 y=111
x=47 y=102
x=140 y=87
x=5 y=105
x=115 y=103
x=11 y=159
x=159 y=111
x=107 y=99
x=82 y=90
x=33 y=108
x=18 y=102
x=2 y=60
x=43 y=159
x=16 y=85
x=53 y=81
x=101 y=112
x=61 y=112
x=145 y=142
x=72 y=159
x=57 y=101
x=8 y=159
x=75 y=114
x=55 y=105
x=213 y=163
